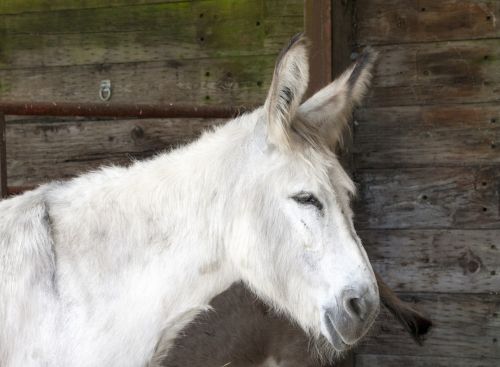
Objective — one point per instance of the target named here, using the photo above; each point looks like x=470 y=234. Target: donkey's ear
x=290 y=80
x=330 y=109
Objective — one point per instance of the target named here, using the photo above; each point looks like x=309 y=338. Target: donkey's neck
x=148 y=247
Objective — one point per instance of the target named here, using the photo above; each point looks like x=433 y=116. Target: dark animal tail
x=414 y=322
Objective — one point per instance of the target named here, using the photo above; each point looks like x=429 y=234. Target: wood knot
x=470 y=262
x=137 y=133
x=472 y=266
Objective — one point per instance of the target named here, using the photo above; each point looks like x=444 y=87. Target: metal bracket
x=105 y=90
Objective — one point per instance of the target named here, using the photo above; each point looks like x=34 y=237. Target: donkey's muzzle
x=354 y=315
x=360 y=307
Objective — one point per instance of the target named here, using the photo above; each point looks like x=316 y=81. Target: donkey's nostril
x=358 y=305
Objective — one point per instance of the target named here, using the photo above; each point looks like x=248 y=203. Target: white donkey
x=105 y=269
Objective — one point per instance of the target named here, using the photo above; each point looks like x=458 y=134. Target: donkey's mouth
x=334 y=337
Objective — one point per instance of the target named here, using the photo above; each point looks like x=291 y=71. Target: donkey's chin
x=324 y=352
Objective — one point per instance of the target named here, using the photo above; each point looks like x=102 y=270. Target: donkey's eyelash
x=306 y=198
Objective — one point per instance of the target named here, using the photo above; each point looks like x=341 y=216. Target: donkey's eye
x=306 y=198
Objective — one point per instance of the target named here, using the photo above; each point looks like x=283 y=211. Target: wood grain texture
x=437 y=73
x=426 y=159
x=225 y=81
x=465 y=325
x=151 y=32
x=430 y=197
x=416 y=136
x=46 y=150
x=371 y=360
x=210 y=52
x=455 y=261
x=30 y=6
x=318 y=25
x=409 y=21
x=90 y=16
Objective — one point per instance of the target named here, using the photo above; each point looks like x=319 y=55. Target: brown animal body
x=241 y=331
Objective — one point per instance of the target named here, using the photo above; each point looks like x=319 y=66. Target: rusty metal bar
x=15 y=190
x=118 y=110
x=3 y=157
x=98 y=110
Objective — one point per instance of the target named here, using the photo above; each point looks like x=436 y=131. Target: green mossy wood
x=203 y=52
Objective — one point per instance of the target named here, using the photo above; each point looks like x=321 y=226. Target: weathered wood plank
x=437 y=73
x=147 y=33
x=18 y=7
x=433 y=197
x=433 y=164
x=456 y=261
x=453 y=135
x=42 y=151
x=373 y=360
x=238 y=80
x=464 y=326
x=396 y=21
x=26 y=51
x=30 y=6
x=202 y=14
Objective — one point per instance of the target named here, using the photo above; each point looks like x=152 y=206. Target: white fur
x=105 y=269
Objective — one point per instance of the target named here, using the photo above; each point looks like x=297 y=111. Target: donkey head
x=305 y=257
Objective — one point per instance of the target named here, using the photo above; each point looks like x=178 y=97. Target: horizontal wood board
x=428 y=197
x=150 y=32
x=437 y=73
x=465 y=326
x=410 y=21
x=224 y=81
x=29 y=6
x=419 y=136
x=453 y=261
x=370 y=360
x=40 y=151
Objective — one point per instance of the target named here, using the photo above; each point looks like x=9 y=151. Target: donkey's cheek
x=312 y=260
x=309 y=231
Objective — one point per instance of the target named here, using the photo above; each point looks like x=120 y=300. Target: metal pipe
x=15 y=190
x=3 y=157
x=118 y=110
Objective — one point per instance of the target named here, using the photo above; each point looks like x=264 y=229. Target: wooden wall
x=427 y=160
x=425 y=146
x=219 y=52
